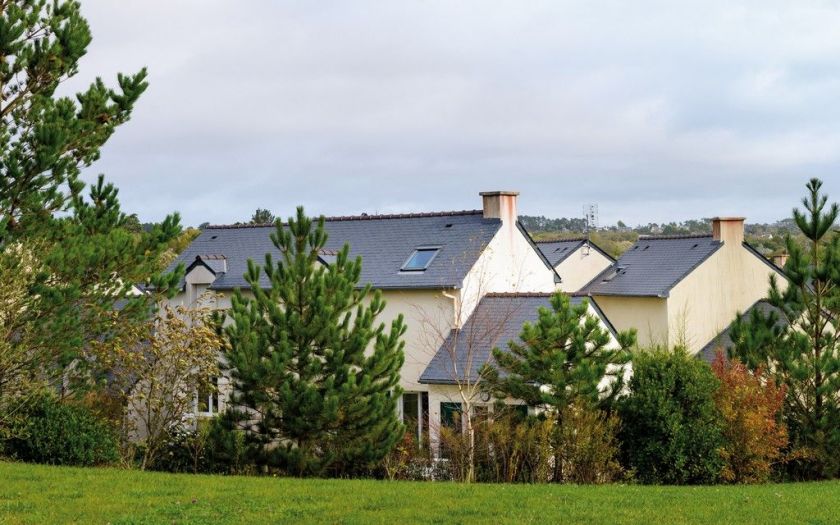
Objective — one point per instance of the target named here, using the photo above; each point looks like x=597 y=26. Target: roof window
x=617 y=270
x=420 y=259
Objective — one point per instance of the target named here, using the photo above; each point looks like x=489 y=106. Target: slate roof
x=653 y=266
x=558 y=251
x=497 y=319
x=384 y=243
x=723 y=340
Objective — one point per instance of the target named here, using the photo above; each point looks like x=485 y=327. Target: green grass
x=40 y=494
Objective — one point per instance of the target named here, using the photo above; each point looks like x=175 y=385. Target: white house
x=434 y=268
x=577 y=261
x=684 y=289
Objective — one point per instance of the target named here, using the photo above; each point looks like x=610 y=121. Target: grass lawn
x=39 y=494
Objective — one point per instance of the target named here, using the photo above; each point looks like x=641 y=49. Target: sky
x=653 y=110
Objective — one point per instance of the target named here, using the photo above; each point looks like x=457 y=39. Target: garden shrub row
x=680 y=422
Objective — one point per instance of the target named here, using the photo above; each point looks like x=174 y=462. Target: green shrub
x=225 y=449
x=183 y=451
x=671 y=429
x=62 y=434
x=209 y=448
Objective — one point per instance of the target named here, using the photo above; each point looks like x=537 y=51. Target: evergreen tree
x=315 y=378
x=799 y=343
x=86 y=253
x=262 y=216
x=562 y=357
x=46 y=140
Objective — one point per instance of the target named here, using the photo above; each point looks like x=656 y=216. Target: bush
x=587 y=446
x=513 y=449
x=62 y=434
x=410 y=461
x=183 y=451
x=209 y=448
x=225 y=449
x=750 y=408
x=510 y=448
x=671 y=429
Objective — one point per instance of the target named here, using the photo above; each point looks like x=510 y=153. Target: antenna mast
x=590 y=214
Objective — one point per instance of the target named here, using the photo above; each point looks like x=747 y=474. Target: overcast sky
x=655 y=111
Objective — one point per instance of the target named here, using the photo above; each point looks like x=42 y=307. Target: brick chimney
x=500 y=205
x=730 y=230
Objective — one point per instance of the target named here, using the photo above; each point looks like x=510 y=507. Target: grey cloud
x=655 y=110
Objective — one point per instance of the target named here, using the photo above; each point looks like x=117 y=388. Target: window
x=450 y=415
x=481 y=413
x=617 y=270
x=414 y=410
x=521 y=411
x=420 y=259
x=207 y=400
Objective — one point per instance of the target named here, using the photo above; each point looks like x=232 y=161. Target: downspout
x=455 y=323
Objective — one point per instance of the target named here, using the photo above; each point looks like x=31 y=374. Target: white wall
x=707 y=301
x=510 y=263
x=579 y=268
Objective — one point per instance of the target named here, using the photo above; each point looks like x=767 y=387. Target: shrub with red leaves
x=750 y=406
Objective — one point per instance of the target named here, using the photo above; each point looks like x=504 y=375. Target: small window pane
x=208 y=398
x=450 y=415
x=410 y=411
x=420 y=259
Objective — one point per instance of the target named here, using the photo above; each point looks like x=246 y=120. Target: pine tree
x=315 y=378
x=564 y=356
x=87 y=253
x=799 y=343
x=46 y=140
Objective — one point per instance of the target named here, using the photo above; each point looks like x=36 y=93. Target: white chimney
x=730 y=230
x=780 y=259
x=500 y=205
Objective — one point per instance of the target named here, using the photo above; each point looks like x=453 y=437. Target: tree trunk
x=470 y=448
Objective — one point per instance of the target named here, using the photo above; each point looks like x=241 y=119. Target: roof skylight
x=420 y=259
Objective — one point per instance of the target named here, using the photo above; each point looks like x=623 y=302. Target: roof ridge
x=362 y=217
x=498 y=295
x=673 y=237
x=570 y=239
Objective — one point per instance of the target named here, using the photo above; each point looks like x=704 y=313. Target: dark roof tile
x=557 y=251
x=384 y=242
x=723 y=340
x=497 y=319
x=653 y=266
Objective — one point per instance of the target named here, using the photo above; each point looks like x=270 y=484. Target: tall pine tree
x=46 y=140
x=799 y=342
x=315 y=378
x=86 y=256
